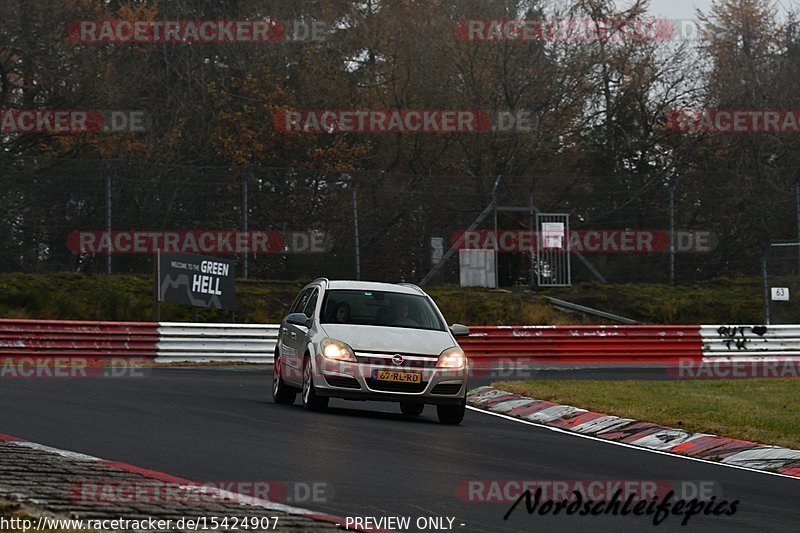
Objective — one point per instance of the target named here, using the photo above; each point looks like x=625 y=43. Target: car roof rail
x=412 y=286
x=327 y=282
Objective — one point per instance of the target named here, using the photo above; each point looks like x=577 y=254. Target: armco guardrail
x=737 y=342
x=569 y=306
x=216 y=342
x=162 y=342
x=90 y=340
x=177 y=341
x=583 y=344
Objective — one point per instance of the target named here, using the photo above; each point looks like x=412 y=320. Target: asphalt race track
x=213 y=424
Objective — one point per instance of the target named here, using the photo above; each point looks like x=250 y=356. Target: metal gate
x=780 y=273
x=553 y=267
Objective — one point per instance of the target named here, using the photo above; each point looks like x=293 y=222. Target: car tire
x=281 y=392
x=412 y=409
x=451 y=414
x=311 y=401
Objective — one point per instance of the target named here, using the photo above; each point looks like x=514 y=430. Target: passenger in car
x=342 y=315
x=400 y=311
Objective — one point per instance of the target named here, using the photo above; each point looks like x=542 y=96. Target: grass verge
x=68 y=296
x=759 y=410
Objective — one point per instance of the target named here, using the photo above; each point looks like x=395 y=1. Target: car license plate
x=398 y=377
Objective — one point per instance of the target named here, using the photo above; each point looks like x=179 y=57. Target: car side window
x=312 y=304
x=300 y=302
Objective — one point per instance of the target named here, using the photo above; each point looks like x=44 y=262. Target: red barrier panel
x=571 y=344
x=90 y=340
x=485 y=344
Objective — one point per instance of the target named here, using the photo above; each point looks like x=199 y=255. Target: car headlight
x=452 y=358
x=337 y=351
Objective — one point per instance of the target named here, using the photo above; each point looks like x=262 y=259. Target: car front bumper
x=357 y=381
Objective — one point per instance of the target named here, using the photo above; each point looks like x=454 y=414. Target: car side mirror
x=299 y=319
x=459 y=330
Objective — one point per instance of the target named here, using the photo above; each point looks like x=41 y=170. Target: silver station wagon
x=370 y=341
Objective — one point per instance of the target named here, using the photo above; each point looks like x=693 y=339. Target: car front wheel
x=281 y=392
x=311 y=401
x=451 y=414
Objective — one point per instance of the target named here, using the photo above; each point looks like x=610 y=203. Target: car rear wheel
x=311 y=401
x=451 y=414
x=412 y=409
x=281 y=392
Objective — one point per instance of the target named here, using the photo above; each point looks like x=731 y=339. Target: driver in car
x=400 y=313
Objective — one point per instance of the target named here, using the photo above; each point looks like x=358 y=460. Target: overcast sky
x=678 y=9
x=686 y=9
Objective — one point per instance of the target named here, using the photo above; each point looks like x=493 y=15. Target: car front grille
x=390 y=386
x=409 y=360
x=446 y=388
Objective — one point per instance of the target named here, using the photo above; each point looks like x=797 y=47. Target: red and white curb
x=730 y=452
x=188 y=485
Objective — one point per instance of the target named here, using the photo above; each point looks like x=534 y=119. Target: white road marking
x=626 y=445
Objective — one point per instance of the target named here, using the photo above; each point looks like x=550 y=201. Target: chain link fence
x=781 y=279
x=366 y=224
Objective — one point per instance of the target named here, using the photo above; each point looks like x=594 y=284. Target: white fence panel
x=250 y=343
x=750 y=341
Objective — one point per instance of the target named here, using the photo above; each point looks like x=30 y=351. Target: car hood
x=388 y=339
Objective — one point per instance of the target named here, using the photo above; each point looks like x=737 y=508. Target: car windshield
x=379 y=308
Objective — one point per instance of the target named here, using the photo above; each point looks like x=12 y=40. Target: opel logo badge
x=397 y=359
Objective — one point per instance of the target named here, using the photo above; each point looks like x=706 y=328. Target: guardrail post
x=765 y=285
